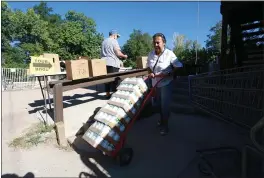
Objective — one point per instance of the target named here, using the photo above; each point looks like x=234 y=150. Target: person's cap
x=114 y=32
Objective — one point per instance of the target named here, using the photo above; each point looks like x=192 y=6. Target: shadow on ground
x=171 y=156
x=28 y=175
x=68 y=101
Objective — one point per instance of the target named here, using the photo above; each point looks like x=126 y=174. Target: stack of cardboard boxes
x=112 y=120
x=83 y=67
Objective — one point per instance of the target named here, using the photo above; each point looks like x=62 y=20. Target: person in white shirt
x=161 y=64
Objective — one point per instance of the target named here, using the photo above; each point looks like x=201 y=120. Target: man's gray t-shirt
x=108 y=53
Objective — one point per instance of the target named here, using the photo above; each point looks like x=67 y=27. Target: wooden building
x=242 y=40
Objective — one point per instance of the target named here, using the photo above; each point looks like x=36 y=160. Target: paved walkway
x=154 y=155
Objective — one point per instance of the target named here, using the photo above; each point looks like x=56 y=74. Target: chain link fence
x=18 y=79
x=236 y=95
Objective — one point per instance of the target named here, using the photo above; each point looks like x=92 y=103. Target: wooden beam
x=89 y=79
x=251 y=34
x=258 y=56
x=68 y=86
x=254 y=41
x=260 y=61
x=238 y=41
x=253 y=26
x=223 y=42
x=74 y=84
x=256 y=51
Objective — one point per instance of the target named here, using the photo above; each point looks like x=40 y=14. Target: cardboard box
x=56 y=60
x=97 y=67
x=83 y=57
x=142 y=62
x=93 y=143
x=77 y=69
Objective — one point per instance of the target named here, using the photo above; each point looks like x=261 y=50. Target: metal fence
x=17 y=79
x=235 y=95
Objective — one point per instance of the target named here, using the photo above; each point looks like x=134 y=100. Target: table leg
x=40 y=87
x=46 y=110
x=46 y=83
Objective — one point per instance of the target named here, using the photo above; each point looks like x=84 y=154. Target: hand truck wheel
x=125 y=156
x=205 y=168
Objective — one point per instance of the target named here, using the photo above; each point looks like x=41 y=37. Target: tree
x=186 y=50
x=178 y=42
x=31 y=32
x=7 y=27
x=139 y=44
x=14 y=57
x=43 y=10
x=45 y=13
x=39 y=30
x=213 y=43
x=77 y=36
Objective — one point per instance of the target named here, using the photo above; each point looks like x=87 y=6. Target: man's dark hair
x=160 y=35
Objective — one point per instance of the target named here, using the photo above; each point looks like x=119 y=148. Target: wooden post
x=58 y=114
x=58 y=103
x=239 y=44
x=263 y=107
x=223 y=41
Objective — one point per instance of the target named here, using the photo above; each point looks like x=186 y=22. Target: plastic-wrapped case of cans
x=112 y=119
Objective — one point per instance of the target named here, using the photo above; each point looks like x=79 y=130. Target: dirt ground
x=154 y=155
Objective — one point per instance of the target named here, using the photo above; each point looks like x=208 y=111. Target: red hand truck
x=121 y=153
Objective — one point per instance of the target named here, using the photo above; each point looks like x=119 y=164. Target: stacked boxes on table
x=112 y=119
x=83 y=67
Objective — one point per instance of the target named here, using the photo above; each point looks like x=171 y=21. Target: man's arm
x=118 y=52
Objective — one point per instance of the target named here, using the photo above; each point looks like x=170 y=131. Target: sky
x=192 y=19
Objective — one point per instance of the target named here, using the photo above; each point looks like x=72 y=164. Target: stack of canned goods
x=112 y=119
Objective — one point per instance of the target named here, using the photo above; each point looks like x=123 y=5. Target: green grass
x=32 y=137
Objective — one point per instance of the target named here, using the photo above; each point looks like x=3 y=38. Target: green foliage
x=187 y=50
x=31 y=30
x=14 y=58
x=33 y=136
x=130 y=63
x=77 y=36
x=38 y=30
x=213 y=43
x=7 y=29
x=214 y=39
x=139 y=44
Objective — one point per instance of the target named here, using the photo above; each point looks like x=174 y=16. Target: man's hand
x=125 y=56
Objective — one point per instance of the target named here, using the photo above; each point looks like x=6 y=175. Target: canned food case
x=114 y=120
